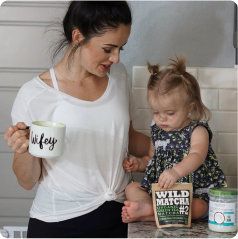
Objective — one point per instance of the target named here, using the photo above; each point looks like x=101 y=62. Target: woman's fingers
x=24 y=147
x=18 y=143
x=21 y=125
x=17 y=137
x=10 y=131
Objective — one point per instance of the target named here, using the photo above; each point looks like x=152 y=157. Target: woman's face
x=101 y=52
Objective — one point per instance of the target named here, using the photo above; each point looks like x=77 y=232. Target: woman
x=80 y=193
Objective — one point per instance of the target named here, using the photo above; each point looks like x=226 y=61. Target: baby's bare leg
x=138 y=206
x=199 y=208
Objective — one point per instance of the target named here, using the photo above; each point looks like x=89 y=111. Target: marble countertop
x=199 y=229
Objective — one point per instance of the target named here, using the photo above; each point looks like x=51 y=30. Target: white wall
x=203 y=30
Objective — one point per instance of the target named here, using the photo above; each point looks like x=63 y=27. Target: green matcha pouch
x=172 y=207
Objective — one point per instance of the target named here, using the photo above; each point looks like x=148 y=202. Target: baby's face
x=170 y=111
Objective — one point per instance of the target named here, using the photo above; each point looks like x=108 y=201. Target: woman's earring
x=189 y=115
x=77 y=44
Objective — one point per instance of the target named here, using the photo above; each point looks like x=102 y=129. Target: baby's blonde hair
x=173 y=76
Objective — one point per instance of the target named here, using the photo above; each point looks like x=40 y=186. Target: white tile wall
x=217 y=78
x=219 y=94
x=210 y=98
x=228 y=100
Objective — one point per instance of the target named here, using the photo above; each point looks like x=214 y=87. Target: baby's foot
x=137 y=211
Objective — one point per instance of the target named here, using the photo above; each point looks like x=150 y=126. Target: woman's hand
x=132 y=165
x=17 y=137
x=26 y=167
x=168 y=178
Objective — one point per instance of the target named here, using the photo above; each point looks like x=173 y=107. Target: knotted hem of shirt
x=110 y=195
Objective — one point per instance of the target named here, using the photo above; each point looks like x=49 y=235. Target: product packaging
x=172 y=207
x=223 y=209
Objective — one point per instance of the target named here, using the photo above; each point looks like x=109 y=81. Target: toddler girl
x=180 y=149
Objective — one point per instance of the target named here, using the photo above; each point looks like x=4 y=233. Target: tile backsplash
x=219 y=94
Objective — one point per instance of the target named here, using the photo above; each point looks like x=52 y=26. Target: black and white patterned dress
x=171 y=148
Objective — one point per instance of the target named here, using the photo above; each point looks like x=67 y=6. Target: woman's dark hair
x=92 y=18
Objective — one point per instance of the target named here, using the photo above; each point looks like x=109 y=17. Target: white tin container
x=223 y=209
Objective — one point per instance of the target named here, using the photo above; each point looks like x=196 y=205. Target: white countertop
x=199 y=229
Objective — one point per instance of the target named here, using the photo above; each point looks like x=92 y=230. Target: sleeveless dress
x=171 y=148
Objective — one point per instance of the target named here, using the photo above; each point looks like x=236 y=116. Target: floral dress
x=170 y=149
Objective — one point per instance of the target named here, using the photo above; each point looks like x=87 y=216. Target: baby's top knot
x=153 y=69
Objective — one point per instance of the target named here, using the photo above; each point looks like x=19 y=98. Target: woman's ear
x=77 y=37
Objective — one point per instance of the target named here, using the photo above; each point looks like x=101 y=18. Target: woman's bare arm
x=26 y=167
x=142 y=149
x=139 y=144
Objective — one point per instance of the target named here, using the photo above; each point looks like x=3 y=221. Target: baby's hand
x=132 y=165
x=168 y=178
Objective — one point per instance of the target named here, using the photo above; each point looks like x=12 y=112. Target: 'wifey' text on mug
x=41 y=141
x=46 y=139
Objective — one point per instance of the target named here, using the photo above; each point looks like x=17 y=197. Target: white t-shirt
x=90 y=170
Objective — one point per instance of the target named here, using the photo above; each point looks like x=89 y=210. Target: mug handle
x=28 y=127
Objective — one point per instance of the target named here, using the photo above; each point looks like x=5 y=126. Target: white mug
x=46 y=139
